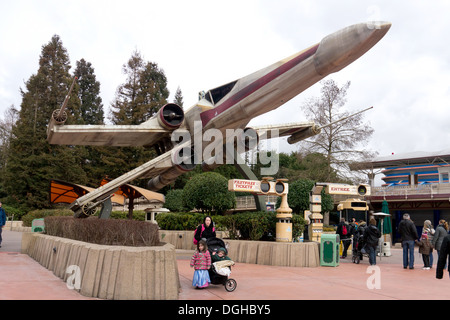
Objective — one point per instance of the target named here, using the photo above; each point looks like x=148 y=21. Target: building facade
x=415 y=183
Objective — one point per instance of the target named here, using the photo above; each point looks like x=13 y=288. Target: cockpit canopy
x=215 y=95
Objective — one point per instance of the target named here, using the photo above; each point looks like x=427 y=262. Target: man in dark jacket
x=2 y=222
x=344 y=232
x=371 y=238
x=443 y=254
x=408 y=233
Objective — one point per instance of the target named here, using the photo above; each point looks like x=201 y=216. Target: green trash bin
x=37 y=225
x=329 y=250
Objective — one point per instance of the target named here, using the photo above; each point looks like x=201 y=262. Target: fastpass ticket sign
x=244 y=185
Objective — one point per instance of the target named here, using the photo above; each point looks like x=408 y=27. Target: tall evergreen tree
x=6 y=126
x=178 y=97
x=137 y=100
x=142 y=95
x=91 y=113
x=32 y=161
x=89 y=94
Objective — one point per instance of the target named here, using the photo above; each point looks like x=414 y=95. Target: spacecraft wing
x=294 y=131
x=107 y=135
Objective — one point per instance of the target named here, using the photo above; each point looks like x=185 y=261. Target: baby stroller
x=230 y=284
x=358 y=251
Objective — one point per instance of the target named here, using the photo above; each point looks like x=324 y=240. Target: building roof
x=66 y=192
x=405 y=159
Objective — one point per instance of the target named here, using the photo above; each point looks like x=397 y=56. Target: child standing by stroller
x=201 y=262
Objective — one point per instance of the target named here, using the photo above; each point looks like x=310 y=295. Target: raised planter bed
x=108 y=272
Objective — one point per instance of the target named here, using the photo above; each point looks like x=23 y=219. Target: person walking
x=408 y=233
x=201 y=262
x=343 y=230
x=371 y=238
x=2 y=222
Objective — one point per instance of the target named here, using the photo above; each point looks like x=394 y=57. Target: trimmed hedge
x=43 y=213
x=246 y=225
x=37 y=214
x=104 y=231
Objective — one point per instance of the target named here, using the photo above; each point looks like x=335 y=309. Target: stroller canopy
x=214 y=244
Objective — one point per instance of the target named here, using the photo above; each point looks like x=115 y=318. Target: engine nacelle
x=170 y=116
x=302 y=135
x=184 y=160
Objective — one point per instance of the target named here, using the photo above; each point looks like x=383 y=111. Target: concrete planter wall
x=109 y=272
x=303 y=254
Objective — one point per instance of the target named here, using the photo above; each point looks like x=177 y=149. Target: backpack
x=203 y=229
x=344 y=230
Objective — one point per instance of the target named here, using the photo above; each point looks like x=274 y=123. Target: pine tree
x=89 y=93
x=32 y=161
x=142 y=95
x=91 y=113
x=6 y=126
x=137 y=100
x=178 y=97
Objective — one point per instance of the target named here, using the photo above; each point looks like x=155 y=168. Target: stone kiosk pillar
x=316 y=218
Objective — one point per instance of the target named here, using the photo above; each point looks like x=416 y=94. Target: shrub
x=10 y=211
x=138 y=215
x=42 y=213
x=104 y=231
x=208 y=192
x=255 y=225
x=174 y=200
x=298 y=225
x=179 y=221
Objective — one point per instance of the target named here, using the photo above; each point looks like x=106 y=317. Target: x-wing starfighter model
x=231 y=106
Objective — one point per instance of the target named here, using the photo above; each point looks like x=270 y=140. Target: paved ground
x=23 y=278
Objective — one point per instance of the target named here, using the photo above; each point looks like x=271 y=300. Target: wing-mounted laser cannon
x=314 y=129
x=59 y=116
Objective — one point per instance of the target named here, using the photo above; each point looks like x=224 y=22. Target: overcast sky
x=204 y=44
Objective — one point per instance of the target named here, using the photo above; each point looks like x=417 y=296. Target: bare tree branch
x=338 y=142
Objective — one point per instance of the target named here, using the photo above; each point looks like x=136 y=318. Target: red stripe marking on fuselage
x=206 y=116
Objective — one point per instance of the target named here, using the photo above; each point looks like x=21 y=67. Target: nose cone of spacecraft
x=341 y=48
